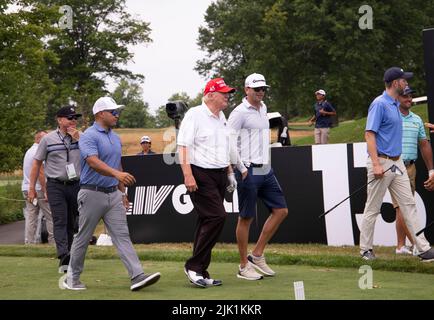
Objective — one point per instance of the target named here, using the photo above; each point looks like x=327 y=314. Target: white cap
x=321 y=91
x=105 y=103
x=145 y=139
x=255 y=80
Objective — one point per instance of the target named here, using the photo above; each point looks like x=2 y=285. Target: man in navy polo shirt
x=383 y=136
x=322 y=117
x=102 y=196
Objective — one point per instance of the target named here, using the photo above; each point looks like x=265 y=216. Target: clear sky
x=168 y=62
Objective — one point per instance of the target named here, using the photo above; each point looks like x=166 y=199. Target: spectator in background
x=40 y=202
x=322 y=118
x=59 y=150
x=413 y=135
x=145 y=143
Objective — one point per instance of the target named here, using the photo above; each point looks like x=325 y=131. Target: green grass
x=353 y=130
x=11 y=210
x=277 y=254
x=36 y=278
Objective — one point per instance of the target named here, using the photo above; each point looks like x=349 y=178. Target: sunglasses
x=260 y=89
x=114 y=112
x=72 y=118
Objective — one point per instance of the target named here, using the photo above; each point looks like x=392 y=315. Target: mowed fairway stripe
x=37 y=278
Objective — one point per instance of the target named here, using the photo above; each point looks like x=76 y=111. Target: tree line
x=52 y=55
x=304 y=45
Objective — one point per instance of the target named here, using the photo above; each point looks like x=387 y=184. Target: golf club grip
x=362 y=187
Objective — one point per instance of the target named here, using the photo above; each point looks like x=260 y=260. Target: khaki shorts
x=411 y=171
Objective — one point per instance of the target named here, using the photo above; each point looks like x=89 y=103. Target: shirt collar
x=248 y=105
x=99 y=128
x=389 y=99
x=208 y=111
x=409 y=115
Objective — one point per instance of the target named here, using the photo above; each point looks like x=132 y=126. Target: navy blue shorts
x=263 y=186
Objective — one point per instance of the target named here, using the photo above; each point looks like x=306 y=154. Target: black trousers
x=208 y=203
x=64 y=209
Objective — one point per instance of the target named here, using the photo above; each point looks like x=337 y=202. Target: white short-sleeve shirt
x=253 y=129
x=206 y=137
x=27 y=168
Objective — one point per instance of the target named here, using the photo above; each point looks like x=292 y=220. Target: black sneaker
x=368 y=255
x=144 y=280
x=427 y=256
x=63 y=263
x=209 y=281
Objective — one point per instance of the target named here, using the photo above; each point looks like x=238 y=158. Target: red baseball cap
x=217 y=85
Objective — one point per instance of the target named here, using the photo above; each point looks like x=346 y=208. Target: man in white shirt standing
x=203 y=146
x=250 y=121
x=40 y=203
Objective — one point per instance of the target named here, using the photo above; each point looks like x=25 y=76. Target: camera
x=176 y=109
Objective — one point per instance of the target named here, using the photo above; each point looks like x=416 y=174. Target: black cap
x=396 y=73
x=67 y=111
x=407 y=91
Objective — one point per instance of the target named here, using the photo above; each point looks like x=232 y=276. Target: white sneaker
x=195 y=278
x=260 y=265
x=403 y=250
x=248 y=273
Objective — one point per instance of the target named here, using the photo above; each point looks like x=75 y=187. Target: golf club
x=392 y=168
x=427 y=227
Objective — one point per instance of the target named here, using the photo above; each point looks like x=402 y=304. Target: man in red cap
x=203 y=146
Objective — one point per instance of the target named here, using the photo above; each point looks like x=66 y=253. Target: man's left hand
x=232 y=183
x=429 y=184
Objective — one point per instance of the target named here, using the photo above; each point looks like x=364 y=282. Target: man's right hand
x=378 y=171
x=190 y=183
x=31 y=195
x=125 y=178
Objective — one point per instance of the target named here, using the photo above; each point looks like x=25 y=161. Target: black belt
x=98 y=188
x=409 y=162
x=385 y=156
x=211 y=169
x=64 y=182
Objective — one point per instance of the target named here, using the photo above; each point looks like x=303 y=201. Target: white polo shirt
x=27 y=167
x=206 y=137
x=253 y=130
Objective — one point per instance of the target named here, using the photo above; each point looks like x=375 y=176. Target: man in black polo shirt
x=59 y=150
x=322 y=117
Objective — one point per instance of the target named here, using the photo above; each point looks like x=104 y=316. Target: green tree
x=303 y=45
x=96 y=47
x=136 y=112
x=24 y=87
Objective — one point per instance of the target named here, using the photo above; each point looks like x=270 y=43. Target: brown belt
x=387 y=157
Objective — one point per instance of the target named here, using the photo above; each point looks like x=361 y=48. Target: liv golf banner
x=313 y=179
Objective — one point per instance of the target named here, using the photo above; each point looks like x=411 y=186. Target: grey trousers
x=93 y=206
x=32 y=216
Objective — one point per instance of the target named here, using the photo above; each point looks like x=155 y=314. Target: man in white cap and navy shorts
x=255 y=177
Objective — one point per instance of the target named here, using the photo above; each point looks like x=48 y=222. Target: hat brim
x=407 y=75
x=258 y=86
x=226 y=90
